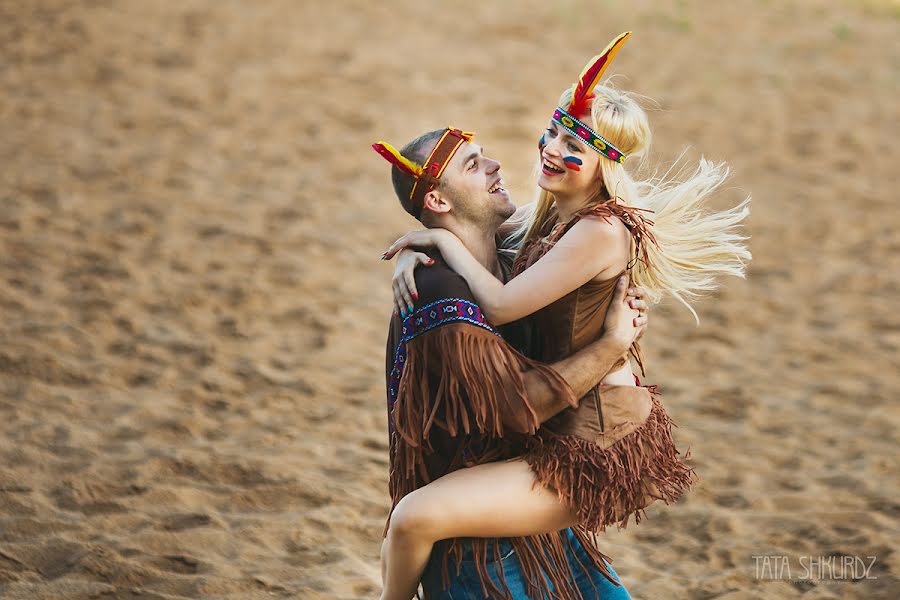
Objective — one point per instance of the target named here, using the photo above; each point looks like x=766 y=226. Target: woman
x=613 y=455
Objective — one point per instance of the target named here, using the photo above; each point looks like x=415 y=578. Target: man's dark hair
x=416 y=151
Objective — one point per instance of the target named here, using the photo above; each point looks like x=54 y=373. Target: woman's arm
x=590 y=247
x=587 y=249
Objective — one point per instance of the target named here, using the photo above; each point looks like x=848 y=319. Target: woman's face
x=568 y=166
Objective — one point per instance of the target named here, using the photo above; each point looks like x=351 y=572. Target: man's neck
x=482 y=243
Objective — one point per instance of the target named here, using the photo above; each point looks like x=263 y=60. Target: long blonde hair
x=694 y=244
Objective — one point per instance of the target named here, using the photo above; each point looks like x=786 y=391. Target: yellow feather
x=417 y=169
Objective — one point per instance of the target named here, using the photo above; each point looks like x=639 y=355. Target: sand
x=194 y=313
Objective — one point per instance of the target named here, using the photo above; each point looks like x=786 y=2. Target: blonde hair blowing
x=695 y=244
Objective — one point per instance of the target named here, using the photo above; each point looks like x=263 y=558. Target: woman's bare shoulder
x=602 y=243
x=594 y=229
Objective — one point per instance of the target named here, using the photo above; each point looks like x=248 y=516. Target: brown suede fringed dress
x=614 y=454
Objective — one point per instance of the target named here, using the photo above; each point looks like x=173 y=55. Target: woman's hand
x=421 y=238
x=404 y=281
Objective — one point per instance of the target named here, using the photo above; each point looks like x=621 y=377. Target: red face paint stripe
x=573 y=163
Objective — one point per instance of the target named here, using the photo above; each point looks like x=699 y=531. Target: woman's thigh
x=493 y=500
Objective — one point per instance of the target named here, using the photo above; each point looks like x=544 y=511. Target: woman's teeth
x=552 y=168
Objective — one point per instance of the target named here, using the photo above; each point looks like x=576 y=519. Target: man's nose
x=494 y=166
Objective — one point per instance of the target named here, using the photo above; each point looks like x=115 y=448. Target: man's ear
x=436 y=202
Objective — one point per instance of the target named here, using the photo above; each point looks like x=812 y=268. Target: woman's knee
x=414 y=517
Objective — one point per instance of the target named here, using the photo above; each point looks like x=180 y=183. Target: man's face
x=473 y=185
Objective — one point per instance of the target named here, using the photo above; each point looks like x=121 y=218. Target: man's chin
x=506 y=208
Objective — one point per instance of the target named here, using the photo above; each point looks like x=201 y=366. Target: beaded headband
x=428 y=176
x=587 y=135
x=581 y=96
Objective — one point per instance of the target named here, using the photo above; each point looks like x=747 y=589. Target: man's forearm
x=582 y=371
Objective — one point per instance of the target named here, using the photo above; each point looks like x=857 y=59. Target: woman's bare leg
x=383 y=561
x=490 y=500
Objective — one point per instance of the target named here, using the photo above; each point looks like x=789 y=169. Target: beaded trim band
x=587 y=135
x=426 y=318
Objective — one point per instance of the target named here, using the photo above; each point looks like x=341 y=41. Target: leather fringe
x=543 y=562
x=473 y=381
x=608 y=486
x=639 y=225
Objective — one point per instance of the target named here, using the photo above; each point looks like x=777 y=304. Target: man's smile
x=497 y=188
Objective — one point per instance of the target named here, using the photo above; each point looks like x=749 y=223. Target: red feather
x=394 y=159
x=591 y=74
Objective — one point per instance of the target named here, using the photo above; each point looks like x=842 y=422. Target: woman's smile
x=550 y=169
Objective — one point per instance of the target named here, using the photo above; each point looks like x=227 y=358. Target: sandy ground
x=194 y=313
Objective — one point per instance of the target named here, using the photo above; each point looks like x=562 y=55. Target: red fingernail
x=415 y=296
x=430 y=261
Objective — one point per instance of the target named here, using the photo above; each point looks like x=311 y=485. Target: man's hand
x=626 y=317
x=586 y=368
x=635 y=297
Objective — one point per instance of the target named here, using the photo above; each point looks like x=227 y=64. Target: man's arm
x=587 y=367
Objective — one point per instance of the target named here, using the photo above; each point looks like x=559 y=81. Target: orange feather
x=591 y=75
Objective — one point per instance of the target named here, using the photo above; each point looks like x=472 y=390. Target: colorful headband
x=427 y=177
x=587 y=81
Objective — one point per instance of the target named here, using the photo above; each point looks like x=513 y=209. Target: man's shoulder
x=439 y=282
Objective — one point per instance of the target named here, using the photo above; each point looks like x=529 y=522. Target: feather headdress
x=567 y=116
x=393 y=156
x=427 y=175
x=591 y=75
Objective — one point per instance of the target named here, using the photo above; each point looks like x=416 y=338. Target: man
x=460 y=395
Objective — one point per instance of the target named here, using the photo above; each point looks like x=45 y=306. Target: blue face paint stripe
x=572 y=163
x=542 y=142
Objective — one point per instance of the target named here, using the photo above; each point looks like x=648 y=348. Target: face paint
x=542 y=142
x=573 y=162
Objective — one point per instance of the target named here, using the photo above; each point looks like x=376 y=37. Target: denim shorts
x=466 y=585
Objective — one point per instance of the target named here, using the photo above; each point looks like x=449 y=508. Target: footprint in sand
x=177 y=563
x=731 y=500
x=180 y=522
x=66 y=499
x=51 y=559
